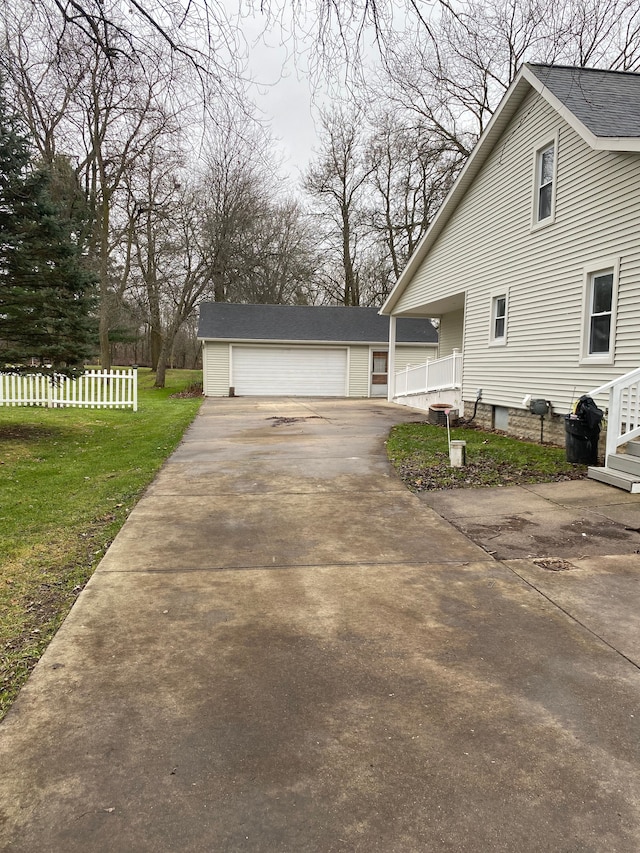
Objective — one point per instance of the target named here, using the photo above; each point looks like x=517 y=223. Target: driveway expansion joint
x=572 y=617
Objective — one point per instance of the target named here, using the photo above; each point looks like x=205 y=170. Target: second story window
x=545 y=166
x=546 y=160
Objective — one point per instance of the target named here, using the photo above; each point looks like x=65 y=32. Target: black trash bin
x=582 y=432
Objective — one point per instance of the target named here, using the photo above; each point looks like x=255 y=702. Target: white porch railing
x=436 y=375
x=623 y=419
x=94 y=389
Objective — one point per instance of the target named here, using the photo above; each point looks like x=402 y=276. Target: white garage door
x=289 y=371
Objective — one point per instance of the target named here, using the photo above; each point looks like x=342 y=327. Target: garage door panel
x=289 y=371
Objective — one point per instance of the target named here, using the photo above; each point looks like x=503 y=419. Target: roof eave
x=525 y=80
x=615 y=143
x=511 y=101
x=301 y=342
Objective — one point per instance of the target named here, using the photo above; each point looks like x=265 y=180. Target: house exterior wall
x=359 y=371
x=521 y=423
x=451 y=333
x=413 y=355
x=489 y=247
x=215 y=369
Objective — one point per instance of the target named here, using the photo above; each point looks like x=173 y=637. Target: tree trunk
x=165 y=352
x=105 y=296
x=105 y=344
x=161 y=369
x=351 y=295
x=156 y=346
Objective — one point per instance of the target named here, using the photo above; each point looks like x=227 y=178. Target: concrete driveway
x=286 y=651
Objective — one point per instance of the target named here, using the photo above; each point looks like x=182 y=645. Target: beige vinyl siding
x=628 y=316
x=359 y=371
x=451 y=333
x=488 y=246
x=413 y=355
x=360 y=364
x=215 y=369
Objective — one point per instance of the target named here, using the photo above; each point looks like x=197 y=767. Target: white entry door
x=379 y=373
x=289 y=371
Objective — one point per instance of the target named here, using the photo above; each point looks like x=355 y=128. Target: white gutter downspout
x=391 y=366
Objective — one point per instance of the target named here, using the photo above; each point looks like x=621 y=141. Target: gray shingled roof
x=232 y=322
x=606 y=102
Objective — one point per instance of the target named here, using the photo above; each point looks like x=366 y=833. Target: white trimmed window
x=499 y=319
x=601 y=290
x=545 y=183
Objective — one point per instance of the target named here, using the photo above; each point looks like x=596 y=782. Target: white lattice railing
x=94 y=389
x=623 y=419
x=436 y=375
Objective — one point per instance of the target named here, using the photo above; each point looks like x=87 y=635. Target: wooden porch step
x=613 y=477
x=633 y=448
x=627 y=462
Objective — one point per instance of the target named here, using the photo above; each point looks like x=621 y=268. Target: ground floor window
x=599 y=314
x=499 y=319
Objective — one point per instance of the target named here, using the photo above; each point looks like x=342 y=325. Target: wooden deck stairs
x=621 y=469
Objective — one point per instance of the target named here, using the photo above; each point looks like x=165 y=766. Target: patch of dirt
x=478 y=474
x=604 y=529
x=194 y=390
x=282 y=421
x=25 y=432
x=555 y=565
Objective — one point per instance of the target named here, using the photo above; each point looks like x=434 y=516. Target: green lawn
x=68 y=479
x=420 y=454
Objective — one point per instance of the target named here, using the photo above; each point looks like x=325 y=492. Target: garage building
x=304 y=351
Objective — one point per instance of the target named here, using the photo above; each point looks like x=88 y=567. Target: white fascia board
x=281 y=342
x=616 y=143
x=510 y=102
x=301 y=343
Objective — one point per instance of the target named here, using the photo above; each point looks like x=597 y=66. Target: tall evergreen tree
x=46 y=291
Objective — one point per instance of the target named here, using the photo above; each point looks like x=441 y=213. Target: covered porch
x=437 y=380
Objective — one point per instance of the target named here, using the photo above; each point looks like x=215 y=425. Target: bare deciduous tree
x=188 y=279
x=453 y=67
x=104 y=112
x=202 y=33
x=154 y=199
x=410 y=176
x=337 y=181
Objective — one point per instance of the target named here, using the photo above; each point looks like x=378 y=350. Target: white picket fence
x=94 y=389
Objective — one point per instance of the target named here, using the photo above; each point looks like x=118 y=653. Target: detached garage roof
x=226 y=321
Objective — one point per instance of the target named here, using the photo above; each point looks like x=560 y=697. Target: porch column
x=391 y=365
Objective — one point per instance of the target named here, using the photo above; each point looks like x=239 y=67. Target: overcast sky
x=284 y=92
x=284 y=95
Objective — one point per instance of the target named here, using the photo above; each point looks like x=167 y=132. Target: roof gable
x=605 y=105
x=591 y=101
x=292 y=323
